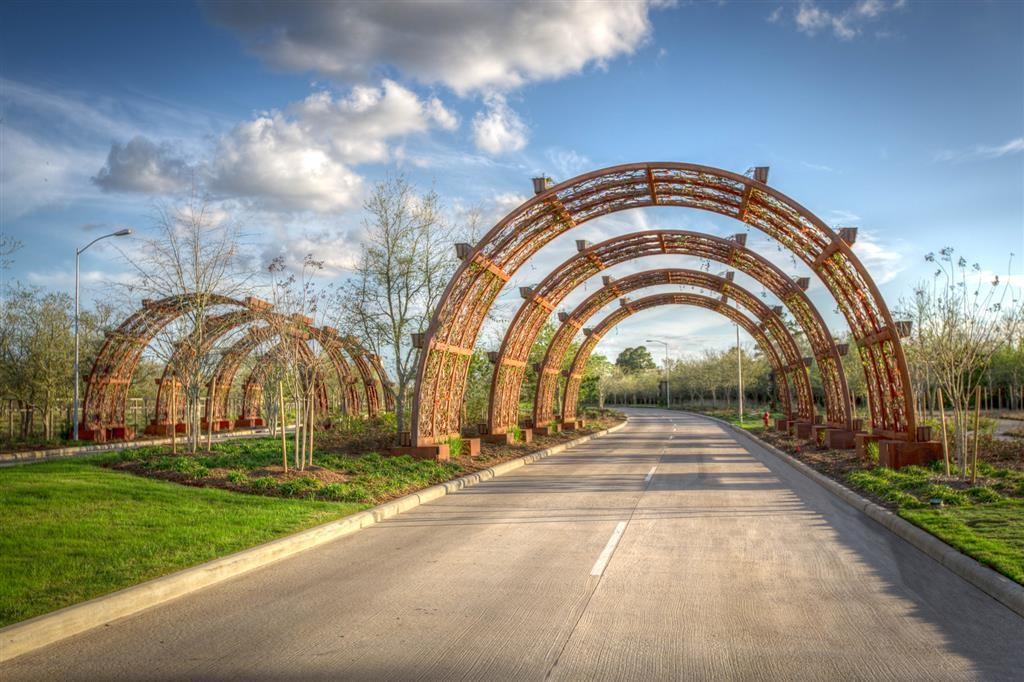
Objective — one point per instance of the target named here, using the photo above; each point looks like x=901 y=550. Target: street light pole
x=78 y=253
x=668 y=397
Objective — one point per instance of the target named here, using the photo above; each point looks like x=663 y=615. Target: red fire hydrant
x=767 y=417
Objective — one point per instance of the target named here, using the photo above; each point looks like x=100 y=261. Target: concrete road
x=666 y=551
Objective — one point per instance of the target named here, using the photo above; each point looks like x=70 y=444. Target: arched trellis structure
x=488 y=266
x=790 y=369
x=106 y=390
x=572 y=387
x=509 y=369
x=111 y=375
x=252 y=389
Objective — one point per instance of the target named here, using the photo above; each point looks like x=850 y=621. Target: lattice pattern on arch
x=775 y=340
x=111 y=375
x=471 y=293
x=510 y=367
x=570 y=397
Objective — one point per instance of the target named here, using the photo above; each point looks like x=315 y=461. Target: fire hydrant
x=767 y=417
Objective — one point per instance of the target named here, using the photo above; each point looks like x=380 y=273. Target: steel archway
x=509 y=369
x=575 y=379
x=252 y=392
x=488 y=266
x=106 y=389
x=789 y=367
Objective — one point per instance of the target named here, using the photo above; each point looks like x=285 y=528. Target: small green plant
x=454 y=446
x=304 y=486
x=872 y=451
x=238 y=477
x=517 y=434
x=983 y=494
x=263 y=484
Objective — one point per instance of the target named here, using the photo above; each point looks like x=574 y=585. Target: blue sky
x=905 y=119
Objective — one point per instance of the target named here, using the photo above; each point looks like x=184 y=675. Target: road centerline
x=609 y=549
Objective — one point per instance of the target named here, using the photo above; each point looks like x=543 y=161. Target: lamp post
x=78 y=253
x=668 y=399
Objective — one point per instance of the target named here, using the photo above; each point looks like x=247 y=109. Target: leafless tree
x=404 y=265
x=192 y=253
x=963 y=318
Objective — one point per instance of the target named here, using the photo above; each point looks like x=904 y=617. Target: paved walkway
x=666 y=551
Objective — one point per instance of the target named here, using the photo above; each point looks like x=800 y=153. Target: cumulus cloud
x=811 y=18
x=302 y=158
x=279 y=165
x=469 y=46
x=141 y=165
x=497 y=129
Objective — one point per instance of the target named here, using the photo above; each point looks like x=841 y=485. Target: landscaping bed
x=75 y=530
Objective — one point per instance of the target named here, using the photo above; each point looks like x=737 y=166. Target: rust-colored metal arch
x=776 y=341
x=572 y=387
x=509 y=369
x=252 y=389
x=488 y=266
x=106 y=390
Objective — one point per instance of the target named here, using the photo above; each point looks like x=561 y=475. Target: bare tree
x=193 y=254
x=405 y=263
x=963 y=318
x=296 y=300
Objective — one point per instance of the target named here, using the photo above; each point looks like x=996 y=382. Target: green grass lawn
x=70 y=531
x=991 y=533
x=979 y=521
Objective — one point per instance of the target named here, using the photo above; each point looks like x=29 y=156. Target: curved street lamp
x=78 y=252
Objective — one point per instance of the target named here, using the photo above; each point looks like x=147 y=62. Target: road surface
x=669 y=550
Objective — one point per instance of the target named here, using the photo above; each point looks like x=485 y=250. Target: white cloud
x=359 y=126
x=141 y=165
x=775 y=15
x=469 y=46
x=497 y=129
x=817 y=167
x=566 y=163
x=811 y=18
x=278 y=165
x=304 y=158
x=884 y=261
x=981 y=151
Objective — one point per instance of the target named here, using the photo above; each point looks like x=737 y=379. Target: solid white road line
x=606 y=554
x=650 y=475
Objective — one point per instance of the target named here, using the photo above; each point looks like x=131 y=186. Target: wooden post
x=945 y=439
x=280 y=423
x=311 y=428
x=209 y=418
x=977 y=420
x=174 y=416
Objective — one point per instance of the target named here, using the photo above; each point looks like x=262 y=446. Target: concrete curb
x=989 y=581
x=35 y=633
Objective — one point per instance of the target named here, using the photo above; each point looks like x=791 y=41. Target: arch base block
x=783 y=425
x=163 y=428
x=106 y=433
x=801 y=429
x=896 y=454
x=548 y=430
x=839 y=439
x=218 y=424
x=250 y=423
x=574 y=425
x=438 y=453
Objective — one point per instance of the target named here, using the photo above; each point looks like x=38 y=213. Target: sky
x=902 y=118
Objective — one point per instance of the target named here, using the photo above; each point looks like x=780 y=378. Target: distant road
x=667 y=551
